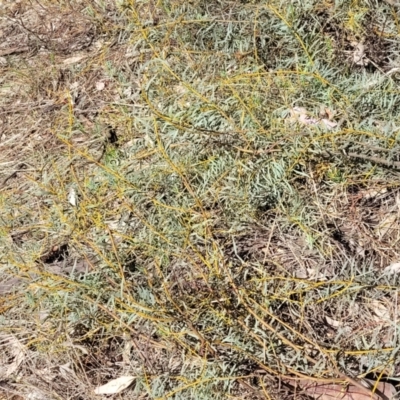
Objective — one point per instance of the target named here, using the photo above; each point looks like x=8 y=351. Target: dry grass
x=166 y=214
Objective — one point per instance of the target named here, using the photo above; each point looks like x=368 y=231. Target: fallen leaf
x=328 y=124
x=306 y=120
x=43 y=315
x=73 y=60
x=335 y=391
x=371 y=193
x=333 y=323
x=300 y=115
x=380 y=310
x=72 y=197
x=359 y=54
x=326 y=112
x=115 y=386
x=393 y=268
x=100 y=85
x=17 y=350
x=36 y=394
x=313 y=274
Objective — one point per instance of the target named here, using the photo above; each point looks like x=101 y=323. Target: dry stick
x=13 y=50
x=21 y=23
x=13 y=174
x=376 y=160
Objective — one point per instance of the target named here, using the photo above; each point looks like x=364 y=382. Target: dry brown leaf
x=335 y=391
x=372 y=193
x=15 y=348
x=36 y=394
x=380 y=310
x=326 y=112
x=100 y=85
x=393 y=268
x=115 y=386
x=306 y=120
x=300 y=115
x=73 y=60
x=328 y=124
x=72 y=198
x=333 y=322
x=359 y=54
x=313 y=274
